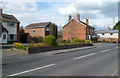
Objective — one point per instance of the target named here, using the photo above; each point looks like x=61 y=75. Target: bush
x=37 y=45
x=95 y=39
x=77 y=41
x=36 y=39
x=18 y=45
x=88 y=41
x=50 y=40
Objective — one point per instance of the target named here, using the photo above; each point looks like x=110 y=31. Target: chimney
x=1 y=10
x=87 y=21
x=109 y=28
x=78 y=17
x=69 y=18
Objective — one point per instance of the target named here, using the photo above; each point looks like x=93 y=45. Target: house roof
x=79 y=22
x=9 y=18
x=107 y=31
x=38 y=25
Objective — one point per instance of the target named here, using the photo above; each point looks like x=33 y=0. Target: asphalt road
x=99 y=61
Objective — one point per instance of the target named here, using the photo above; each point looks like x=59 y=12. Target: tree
x=60 y=33
x=55 y=30
x=117 y=25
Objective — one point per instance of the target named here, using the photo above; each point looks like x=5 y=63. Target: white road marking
x=84 y=56
x=31 y=70
x=105 y=50
x=115 y=73
x=115 y=48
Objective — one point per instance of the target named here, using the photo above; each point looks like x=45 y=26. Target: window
x=11 y=36
x=4 y=36
x=47 y=29
x=10 y=24
x=33 y=31
x=111 y=33
x=103 y=33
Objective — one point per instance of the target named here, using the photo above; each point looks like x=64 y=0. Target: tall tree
x=55 y=30
x=117 y=25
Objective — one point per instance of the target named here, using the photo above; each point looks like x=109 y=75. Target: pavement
x=101 y=60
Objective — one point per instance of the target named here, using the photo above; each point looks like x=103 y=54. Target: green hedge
x=50 y=40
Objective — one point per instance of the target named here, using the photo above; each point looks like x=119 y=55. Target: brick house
x=39 y=29
x=77 y=28
x=10 y=28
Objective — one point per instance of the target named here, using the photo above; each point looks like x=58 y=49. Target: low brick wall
x=52 y=48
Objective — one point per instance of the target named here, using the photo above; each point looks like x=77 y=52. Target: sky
x=101 y=14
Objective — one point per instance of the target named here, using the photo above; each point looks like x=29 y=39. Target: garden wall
x=52 y=48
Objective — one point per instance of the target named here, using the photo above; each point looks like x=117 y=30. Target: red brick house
x=39 y=29
x=77 y=28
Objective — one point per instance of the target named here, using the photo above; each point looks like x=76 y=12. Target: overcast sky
x=100 y=14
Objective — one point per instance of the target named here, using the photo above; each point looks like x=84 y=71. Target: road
x=99 y=61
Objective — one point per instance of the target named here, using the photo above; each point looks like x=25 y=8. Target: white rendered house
x=10 y=28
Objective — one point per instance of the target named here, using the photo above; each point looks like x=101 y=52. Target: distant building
x=108 y=35
x=10 y=28
x=77 y=28
x=39 y=29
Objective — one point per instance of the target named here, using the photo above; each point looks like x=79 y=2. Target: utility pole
x=113 y=21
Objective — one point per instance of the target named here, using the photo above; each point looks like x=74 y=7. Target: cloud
x=91 y=8
x=100 y=13
x=17 y=8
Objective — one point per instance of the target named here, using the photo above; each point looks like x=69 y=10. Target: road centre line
x=31 y=70
x=91 y=54
x=115 y=72
x=115 y=48
x=105 y=50
x=84 y=56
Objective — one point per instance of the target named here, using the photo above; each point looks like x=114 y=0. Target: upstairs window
x=33 y=31
x=103 y=33
x=111 y=33
x=47 y=29
x=10 y=24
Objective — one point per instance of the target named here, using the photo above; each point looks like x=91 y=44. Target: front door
x=88 y=37
x=4 y=37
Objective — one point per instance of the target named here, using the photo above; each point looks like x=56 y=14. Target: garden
x=51 y=43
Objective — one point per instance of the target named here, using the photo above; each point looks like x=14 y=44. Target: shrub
x=88 y=41
x=60 y=41
x=95 y=39
x=50 y=40
x=37 y=45
x=77 y=41
x=36 y=39
x=18 y=45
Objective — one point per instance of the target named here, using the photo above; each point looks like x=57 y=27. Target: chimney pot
x=78 y=17
x=109 y=28
x=1 y=10
x=69 y=18
x=87 y=21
